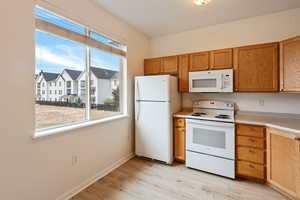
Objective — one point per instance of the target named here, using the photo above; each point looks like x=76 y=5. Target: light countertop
x=282 y=121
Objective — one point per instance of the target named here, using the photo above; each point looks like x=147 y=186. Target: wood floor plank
x=147 y=180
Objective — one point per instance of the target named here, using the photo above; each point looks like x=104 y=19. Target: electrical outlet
x=74 y=160
x=261 y=102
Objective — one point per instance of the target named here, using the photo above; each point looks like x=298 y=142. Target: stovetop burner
x=199 y=114
x=223 y=116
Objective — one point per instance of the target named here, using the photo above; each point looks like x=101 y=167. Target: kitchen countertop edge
x=257 y=121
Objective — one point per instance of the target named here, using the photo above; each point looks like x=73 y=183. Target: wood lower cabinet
x=257 y=68
x=251 y=152
x=290 y=65
x=183 y=84
x=221 y=59
x=169 y=65
x=152 y=66
x=199 y=61
x=179 y=139
x=283 y=162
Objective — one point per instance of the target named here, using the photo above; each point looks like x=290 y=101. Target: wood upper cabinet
x=169 y=65
x=290 y=65
x=183 y=73
x=199 y=61
x=221 y=59
x=152 y=66
x=257 y=68
x=283 y=162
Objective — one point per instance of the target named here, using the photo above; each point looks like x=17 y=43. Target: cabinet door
x=199 y=61
x=152 y=66
x=221 y=59
x=180 y=144
x=170 y=65
x=283 y=162
x=290 y=65
x=256 y=68
x=183 y=73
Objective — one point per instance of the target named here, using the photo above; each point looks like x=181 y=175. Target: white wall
x=273 y=102
x=41 y=169
x=269 y=28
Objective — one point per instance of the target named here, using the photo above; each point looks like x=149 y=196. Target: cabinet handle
x=251 y=166
x=296 y=138
x=251 y=140
x=251 y=151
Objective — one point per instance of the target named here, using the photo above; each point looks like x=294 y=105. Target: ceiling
x=162 y=17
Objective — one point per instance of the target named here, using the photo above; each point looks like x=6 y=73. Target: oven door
x=212 y=138
x=206 y=81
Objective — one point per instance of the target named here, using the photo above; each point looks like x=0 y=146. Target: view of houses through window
x=63 y=70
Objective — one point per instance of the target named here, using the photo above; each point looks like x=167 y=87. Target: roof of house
x=73 y=73
x=50 y=76
x=102 y=73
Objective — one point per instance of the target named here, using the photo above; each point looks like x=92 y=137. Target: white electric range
x=210 y=138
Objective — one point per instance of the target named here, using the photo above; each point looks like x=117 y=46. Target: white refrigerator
x=156 y=100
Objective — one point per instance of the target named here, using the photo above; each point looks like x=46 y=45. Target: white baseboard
x=68 y=195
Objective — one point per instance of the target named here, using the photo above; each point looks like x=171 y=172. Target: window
x=108 y=97
x=82 y=84
x=82 y=91
x=93 y=90
x=68 y=84
x=81 y=50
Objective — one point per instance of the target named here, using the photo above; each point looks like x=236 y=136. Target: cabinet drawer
x=250 y=170
x=250 y=154
x=250 y=142
x=179 y=122
x=250 y=130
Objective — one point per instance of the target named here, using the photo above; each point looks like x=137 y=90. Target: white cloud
x=68 y=58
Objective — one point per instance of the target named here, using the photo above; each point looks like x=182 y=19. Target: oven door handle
x=210 y=123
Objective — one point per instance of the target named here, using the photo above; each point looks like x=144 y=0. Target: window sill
x=43 y=133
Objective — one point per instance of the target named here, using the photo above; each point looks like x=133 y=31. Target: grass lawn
x=47 y=116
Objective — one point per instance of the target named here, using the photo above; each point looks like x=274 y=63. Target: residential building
x=72 y=83
x=45 y=86
x=103 y=82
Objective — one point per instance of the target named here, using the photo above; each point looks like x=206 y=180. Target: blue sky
x=53 y=54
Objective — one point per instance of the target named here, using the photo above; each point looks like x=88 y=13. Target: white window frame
x=88 y=122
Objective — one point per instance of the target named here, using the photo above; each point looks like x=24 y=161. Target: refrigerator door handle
x=138 y=110
x=137 y=100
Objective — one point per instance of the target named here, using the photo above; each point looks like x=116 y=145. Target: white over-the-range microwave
x=211 y=81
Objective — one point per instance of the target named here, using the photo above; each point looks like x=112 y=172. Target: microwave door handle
x=222 y=81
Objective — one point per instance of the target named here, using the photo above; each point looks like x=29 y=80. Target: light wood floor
x=146 y=180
